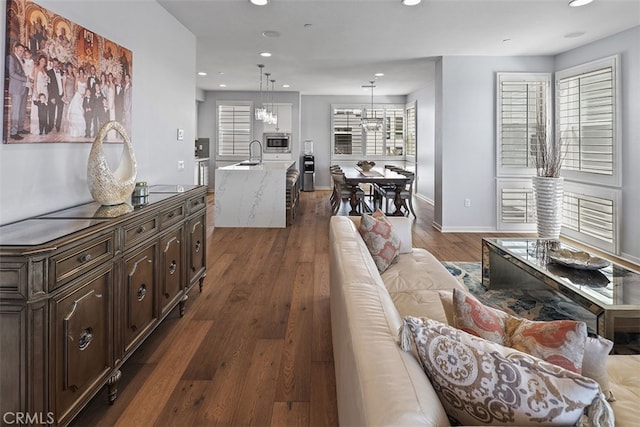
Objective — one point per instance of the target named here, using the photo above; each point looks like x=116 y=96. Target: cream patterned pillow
x=382 y=242
x=594 y=364
x=483 y=383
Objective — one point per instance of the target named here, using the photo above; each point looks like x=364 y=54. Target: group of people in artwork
x=49 y=96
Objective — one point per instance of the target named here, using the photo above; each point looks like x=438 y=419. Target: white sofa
x=377 y=383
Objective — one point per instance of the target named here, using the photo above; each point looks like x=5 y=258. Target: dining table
x=355 y=175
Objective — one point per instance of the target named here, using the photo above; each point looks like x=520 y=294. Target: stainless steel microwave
x=277 y=142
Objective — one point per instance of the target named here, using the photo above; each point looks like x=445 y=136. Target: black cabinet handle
x=84 y=258
x=142 y=292
x=172 y=267
x=141 y=229
x=85 y=338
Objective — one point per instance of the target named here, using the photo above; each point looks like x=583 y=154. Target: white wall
x=425 y=152
x=627 y=44
x=465 y=137
x=39 y=178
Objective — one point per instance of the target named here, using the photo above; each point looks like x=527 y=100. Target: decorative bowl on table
x=365 y=165
x=578 y=259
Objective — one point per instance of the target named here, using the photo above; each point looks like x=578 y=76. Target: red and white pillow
x=383 y=243
x=560 y=342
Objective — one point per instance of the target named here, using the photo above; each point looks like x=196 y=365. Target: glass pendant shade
x=260 y=112
x=372 y=124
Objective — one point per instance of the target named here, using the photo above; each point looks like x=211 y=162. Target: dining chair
x=342 y=192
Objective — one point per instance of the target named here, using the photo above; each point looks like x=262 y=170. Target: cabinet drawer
x=196 y=203
x=74 y=262
x=135 y=233
x=172 y=216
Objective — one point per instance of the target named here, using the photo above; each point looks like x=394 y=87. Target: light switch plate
x=180 y=134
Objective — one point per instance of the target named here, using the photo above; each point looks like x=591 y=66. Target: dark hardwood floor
x=254 y=348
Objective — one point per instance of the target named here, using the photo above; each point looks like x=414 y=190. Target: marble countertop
x=265 y=165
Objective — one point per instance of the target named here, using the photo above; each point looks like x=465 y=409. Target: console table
x=612 y=294
x=83 y=287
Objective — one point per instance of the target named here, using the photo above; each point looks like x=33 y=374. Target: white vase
x=548 y=193
x=111 y=188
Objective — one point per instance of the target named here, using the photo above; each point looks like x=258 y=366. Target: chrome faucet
x=250 y=151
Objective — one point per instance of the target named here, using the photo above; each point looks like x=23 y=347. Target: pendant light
x=372 y=124
x=274 y=116
x=267 y=114
x=261 y=112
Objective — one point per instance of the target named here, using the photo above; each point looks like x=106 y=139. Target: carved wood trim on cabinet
x=76 y=305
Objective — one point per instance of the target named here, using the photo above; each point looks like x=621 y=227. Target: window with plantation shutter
x=586 y=119
x=347 y=135
x=516 y=204
x=590 y=215
x=234 y=129
x=348 y=139
x=523 y=104
x=410 y=131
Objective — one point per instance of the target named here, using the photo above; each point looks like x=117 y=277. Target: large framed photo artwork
x=63 y=82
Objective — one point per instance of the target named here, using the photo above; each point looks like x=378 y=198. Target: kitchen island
x=251 y=194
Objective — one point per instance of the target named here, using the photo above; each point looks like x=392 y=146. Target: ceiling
x=333 y=47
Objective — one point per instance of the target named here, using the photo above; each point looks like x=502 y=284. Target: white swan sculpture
x=111 y=188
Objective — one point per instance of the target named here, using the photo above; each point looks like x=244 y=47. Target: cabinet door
x=172 y=277
x=81 y=342
x=197 y=247
x=139 y=309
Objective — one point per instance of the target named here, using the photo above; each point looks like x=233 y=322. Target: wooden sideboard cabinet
x=82 y=288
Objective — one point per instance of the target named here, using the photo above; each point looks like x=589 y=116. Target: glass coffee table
x=611 y=293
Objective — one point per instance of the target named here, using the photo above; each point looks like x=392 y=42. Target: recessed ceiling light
x=202 y=73
x=411 y=2
x=265 y=54
x=379 y=74
x=221 y=73
x=574 y=35
x=285 y=85
x=308 y=25
x=222 y=85
x=270 y=34
x=578 y=3
x=259 y=2
x=506 y=40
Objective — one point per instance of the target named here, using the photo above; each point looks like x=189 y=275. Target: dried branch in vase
x=549 y=155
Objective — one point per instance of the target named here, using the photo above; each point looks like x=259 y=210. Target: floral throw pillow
x=560 y=342
x=473 y=317
x=483 y=383
x=382 y=242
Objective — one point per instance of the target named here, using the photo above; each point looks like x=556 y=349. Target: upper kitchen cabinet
x=284 y=123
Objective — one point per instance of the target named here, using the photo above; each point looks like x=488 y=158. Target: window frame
x=506 y=171
x=615 y=179
x=240 y=156
x=363 y=135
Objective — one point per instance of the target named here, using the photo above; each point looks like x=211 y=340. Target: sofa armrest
x=402 y=227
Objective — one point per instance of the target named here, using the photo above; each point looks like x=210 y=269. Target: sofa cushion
x=418 y=270
x=420 y=304
x=483 y=383
x=383 y=243
x=624 y=380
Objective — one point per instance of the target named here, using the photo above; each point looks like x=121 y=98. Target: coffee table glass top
x=614 y=285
